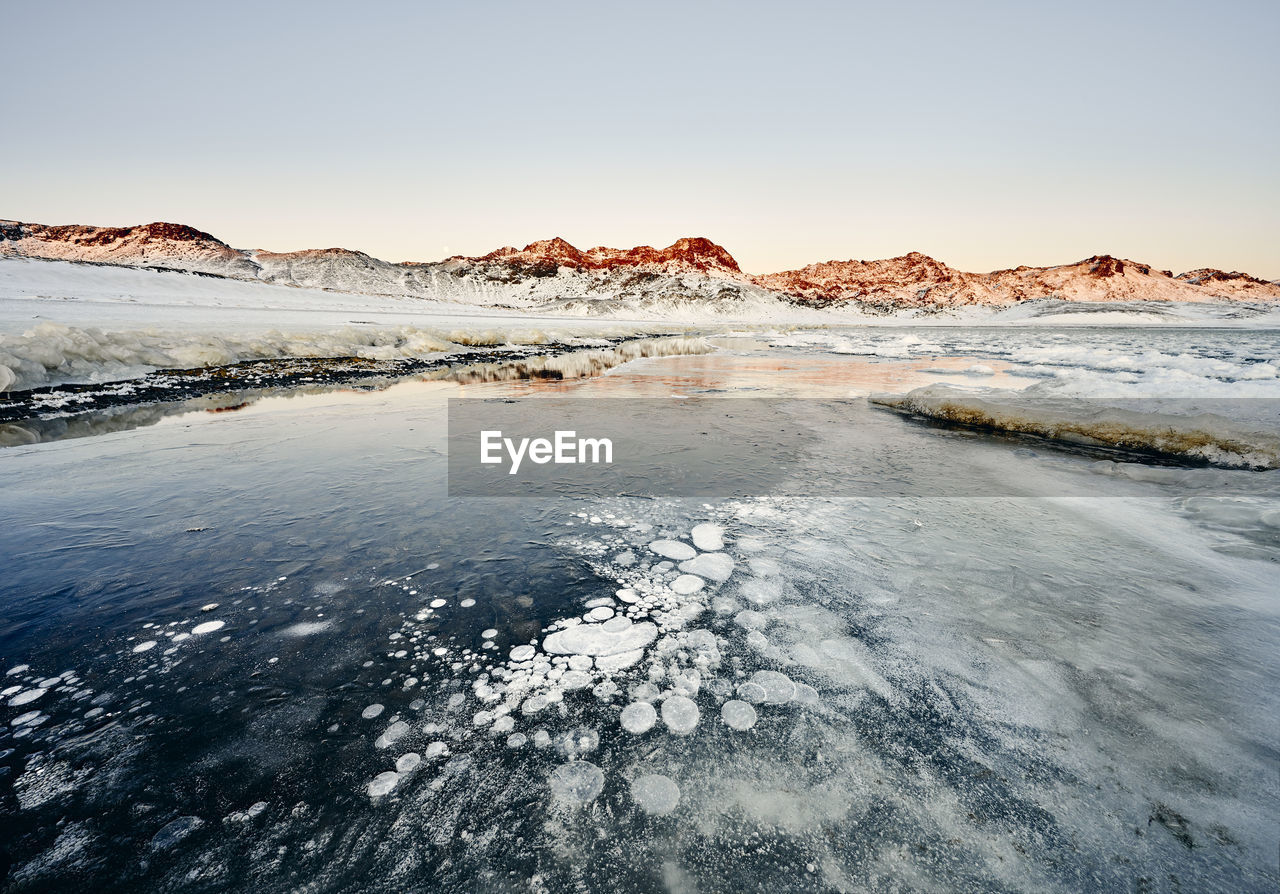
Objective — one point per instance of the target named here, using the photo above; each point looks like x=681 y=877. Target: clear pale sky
x=984 y=134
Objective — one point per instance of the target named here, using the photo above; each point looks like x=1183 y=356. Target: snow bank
x=1198 y=437
x=56 y=354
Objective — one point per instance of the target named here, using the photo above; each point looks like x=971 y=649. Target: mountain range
x=553 y=274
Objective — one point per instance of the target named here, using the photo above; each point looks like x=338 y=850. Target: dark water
x=1023 y=693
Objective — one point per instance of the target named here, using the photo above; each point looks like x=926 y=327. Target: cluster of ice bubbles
x=637 y=652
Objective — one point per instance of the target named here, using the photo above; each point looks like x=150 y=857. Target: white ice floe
x=715 y=566
x=383 y=784
x=372 y=711
x=708 y=537
x=523 y=653
x=673 y=549
x=144 y=646
x=687 y=584
x=611 y=638
x=393 y=734
x=738 y=714
x=207 y=627
x=408 y=762
x=655 y=793
x=26 y=697
x=639 y=717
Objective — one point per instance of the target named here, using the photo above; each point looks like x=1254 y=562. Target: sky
x=984 y=134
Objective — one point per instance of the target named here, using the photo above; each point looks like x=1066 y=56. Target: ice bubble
x=680 y=714
x=716 y=566
x=638 y=717
x=305 y=628
x=778 y=687
x=541 y=738
x=626 y=594
x=645 y=692
x=577 y=782
x=145 y=647
x=522 y=653
x=383 y=784
x=504 y=724
x=207 y=627
x=762 y=591
x=750 y=620
x=686 y=682
x=394 y=732
x=752 y=692
x=621 y=661
x=175 y=831
x=372 y=711
x=438 y=603
x=757 y=640
x=600 y=613
x=575 y=742
x=673 y=549
x=488 y=634
x=580 y=662
x=409 y=762
x=575 y=679
x=24 y=698
x=686 y=584
x=751 y=544
x=723 y=605
x=708 y=537
x=533 y=704
x=467 y=603
x=517 y=740
x=597 y=640
x=738 y=715
x=606 y=690
x=435 y=749
x=625 y=559
x=24 y=719
x=17 y=670
x=655 y=793
x=762 y=567
x=806 y=694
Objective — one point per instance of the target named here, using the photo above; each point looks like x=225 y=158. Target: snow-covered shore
x=63 y=322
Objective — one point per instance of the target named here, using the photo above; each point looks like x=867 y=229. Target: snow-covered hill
x=916 y=280
x=692 y=275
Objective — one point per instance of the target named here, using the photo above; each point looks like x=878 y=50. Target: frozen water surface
x=1038 y=691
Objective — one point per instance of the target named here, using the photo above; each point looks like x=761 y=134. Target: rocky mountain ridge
x=555 y=274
